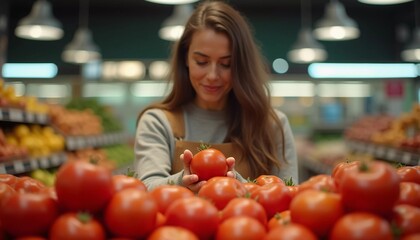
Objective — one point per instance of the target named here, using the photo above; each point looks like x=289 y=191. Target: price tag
x=80 y=142
x=19 y=168
x=3 y=169
x=43 y=162
x=16 y=115
x=54 y=160
x=30 y=117
x=1 y=114
x=391 y=154
x=406 y=158
x=380 y=151
x=42 y=118
x=34 y=164
x=71 y=144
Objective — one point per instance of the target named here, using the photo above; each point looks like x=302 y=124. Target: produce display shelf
x=388 y=153
x=82 y=142
x=19 y=166
x=316 y=166
x=21 y=116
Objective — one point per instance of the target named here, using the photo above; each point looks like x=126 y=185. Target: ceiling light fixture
x=412 y=51
x=172 y=1
x=82 y=49
x=336 y=25
x=384 y=2
x=306 y=49
x=40 y=24
x=173 y=27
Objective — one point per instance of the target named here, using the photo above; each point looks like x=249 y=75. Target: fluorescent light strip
x=151 y=89
x=363 y=70
x=29 y=70
x=291 y=89
x=49 y=90
x=104 y=90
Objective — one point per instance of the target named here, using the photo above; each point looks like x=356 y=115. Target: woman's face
x=209 y=63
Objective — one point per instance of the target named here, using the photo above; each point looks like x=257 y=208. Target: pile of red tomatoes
x=359 y=200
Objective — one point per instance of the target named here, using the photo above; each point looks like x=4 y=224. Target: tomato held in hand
x=209 y=163
x=83 y=186
x=76 y=226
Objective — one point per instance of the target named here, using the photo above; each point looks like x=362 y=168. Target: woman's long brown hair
x=252 y=123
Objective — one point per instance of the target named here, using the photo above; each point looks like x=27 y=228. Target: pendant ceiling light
x=40 y=24
x=411 y=53
x=306 y=49
x=172 y=1
x=336 y=25
x=384 y=2
x=173 y=27
x=82 y=49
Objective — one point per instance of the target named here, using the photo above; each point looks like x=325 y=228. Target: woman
x=219 y=97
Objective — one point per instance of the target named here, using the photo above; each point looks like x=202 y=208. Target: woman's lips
x=211 y=88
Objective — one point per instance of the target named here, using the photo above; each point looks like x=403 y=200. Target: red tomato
x=241 y=228
x=244 y=207
x=195 y=214
x=266 y=179
x=76 y=226
x=5 y=191
x=415 y=236
x=291 y=231
x=279 y=219
x=409 y=174
x=131 y=213
x=407 y=219
x=372 y=187
x=250 y=186
x=220 y=190
x=274 y=197
x=172 y=233
x=8 y=179
x=321 y=182
x=165 y=195
x=409 y=194
x=122 y=181
x=28 y=214
x=83 y=186
x=317 y=210
x=28 y=184
x=31 y=238
x=209 y=163
x=361 y=226
x=339 y=170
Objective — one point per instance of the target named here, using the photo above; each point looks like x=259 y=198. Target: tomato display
x=76 y=226
x=291 y=231
x=266 y=179
x=361 y=226
x=164 y=195
x=407 y=219
x=274 y=197
x=122 y=181
x=372 y=187
x=209 y=163
x=172 y=233
x=220 y=190
x=242 y=206
x=24 y=214
x=83 y=186
x=195 y=214
x=317 y=210
x=241 y=228
x=131 y=213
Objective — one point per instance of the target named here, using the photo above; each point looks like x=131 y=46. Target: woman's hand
x=190 y=180
x=231 y=167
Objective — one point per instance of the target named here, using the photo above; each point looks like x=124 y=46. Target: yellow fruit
x=21 y=130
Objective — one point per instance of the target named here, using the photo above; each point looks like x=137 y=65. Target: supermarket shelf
x=27 y=165
x=388 y=153
x=83 y=142
x=21 y=116
x=316 y=166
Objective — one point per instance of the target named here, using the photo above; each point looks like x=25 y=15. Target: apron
x=176 y=120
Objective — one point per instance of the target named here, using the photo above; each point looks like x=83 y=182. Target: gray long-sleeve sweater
x=155 y=144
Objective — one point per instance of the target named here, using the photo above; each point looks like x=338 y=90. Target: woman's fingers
x=231 y=167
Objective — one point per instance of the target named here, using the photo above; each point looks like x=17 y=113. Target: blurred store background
x=354 y=93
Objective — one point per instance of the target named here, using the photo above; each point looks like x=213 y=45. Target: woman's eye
x=201 y=63
x=225 y=65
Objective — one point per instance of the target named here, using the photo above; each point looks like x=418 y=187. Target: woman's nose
x=213 y=73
